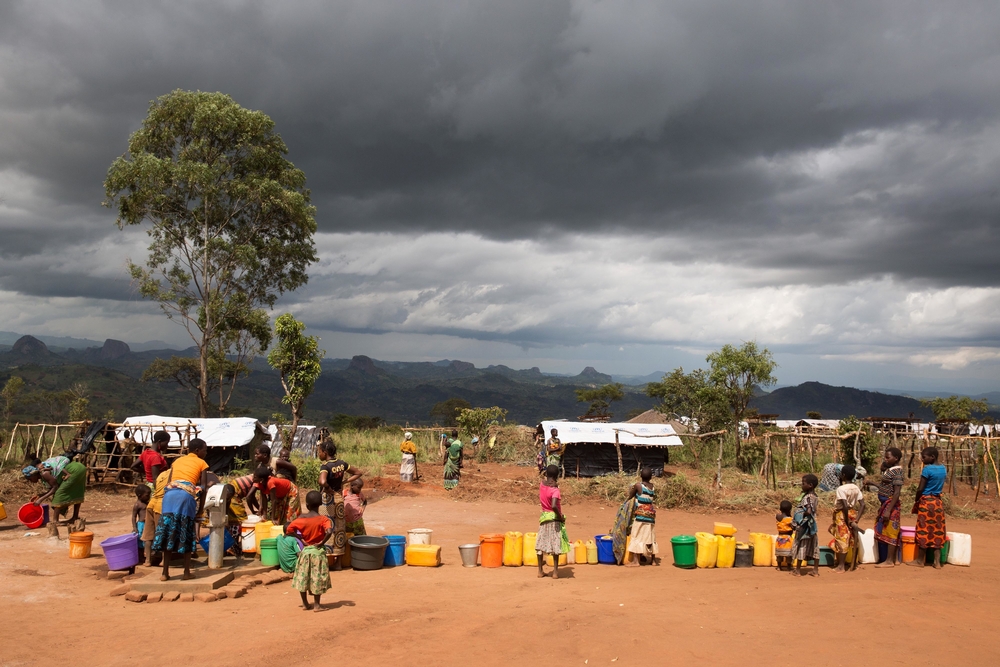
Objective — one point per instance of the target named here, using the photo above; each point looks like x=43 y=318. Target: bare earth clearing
x=598 y=614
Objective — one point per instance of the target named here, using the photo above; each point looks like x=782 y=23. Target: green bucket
x=269 y=551
x=685 y=548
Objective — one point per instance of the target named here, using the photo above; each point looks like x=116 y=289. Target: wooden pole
x=812 y=458
x=857 y=450
x=618 y=448
x=979 y=483
x=718 y=464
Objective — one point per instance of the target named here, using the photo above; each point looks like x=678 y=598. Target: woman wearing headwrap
x=67 y=481
x=408 y=468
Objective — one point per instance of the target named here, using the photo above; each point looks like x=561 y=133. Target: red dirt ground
x=58 y=609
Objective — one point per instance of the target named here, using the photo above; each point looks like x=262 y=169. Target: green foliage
x=10 y=394
x=812 y=414
x=343 y=422
x=297 y=358
x=736 y=372
x=186 y=372
x=961 y=408
x=232 y=225
x=308 y=477
x=448 y=411
x=868 y=446
x=692 y=395
x=477 y=421
x=601 y=398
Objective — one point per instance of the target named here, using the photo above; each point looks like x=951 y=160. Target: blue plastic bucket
x=395 y=554
x=227 y=542
x=605 y=549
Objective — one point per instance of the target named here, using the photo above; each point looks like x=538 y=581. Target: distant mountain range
x=397 y=391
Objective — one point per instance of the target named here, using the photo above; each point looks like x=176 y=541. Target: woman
x=887 y=521
x=642 y=544
x=237 y=492
x=67 y=482
x=279 y=497
x=183 y=501
x=554 y=450
x=408 y=466
x=453 y=462
x=931 y=530
x=331 y=483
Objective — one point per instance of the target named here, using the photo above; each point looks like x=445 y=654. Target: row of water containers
x=514 y=549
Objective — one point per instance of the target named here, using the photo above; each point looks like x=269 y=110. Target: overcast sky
x=627 y=185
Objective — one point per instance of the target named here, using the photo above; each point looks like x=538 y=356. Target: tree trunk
x=718 y=463
x=203 y=382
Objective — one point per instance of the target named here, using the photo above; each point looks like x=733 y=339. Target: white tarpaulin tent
x=225 y=432
x=303 y=442
x=658 y=435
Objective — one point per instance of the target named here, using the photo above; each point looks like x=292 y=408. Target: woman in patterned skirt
x=931 y=530
x=887 y=520
x=552 y=537
x=332 y=475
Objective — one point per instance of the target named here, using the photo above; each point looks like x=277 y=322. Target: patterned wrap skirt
x=312 y=574
x=175 y=531
x=887 y=528
x=841 y=531
x=931 y=532
x=551 y=538
x=334 y=502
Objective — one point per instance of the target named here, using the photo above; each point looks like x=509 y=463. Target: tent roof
x=643 y=435
x=657 y=417
x=228 y=432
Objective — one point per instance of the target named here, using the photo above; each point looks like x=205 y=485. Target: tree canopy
x=960 y=408
x=601 y=398
x=232 y=224
x=297 y=359
x=448 y=411
x=737 y=372
x=692 y=395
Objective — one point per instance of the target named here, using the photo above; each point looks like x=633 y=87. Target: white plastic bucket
x=248 y=538
x=419 y=536
x=868 y=552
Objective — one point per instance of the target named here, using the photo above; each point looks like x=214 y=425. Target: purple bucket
x=122 y=552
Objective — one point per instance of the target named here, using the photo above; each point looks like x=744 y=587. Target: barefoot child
x=142 y=495
x=354 y=508
x=929 y=510
x=643 y=538
x=806 y=545
x=887 y=519
x=847 y=511
x=552 y=537
x=786 y=534
x=312 y=575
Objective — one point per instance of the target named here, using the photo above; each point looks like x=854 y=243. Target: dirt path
x=453 y=615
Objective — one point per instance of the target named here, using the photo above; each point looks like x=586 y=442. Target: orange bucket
x=491 y=550
x=909 y=549
x=79 y=544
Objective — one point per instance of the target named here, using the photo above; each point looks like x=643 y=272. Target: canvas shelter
x=592 y=448
x=227 y=438
x=305 y=440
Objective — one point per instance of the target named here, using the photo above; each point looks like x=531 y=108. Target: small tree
x=961 y=408
x=79 y=402
x=186 y=372
x=691 y=395
x=10 y=394
x=601 y=398
x=812 y=414
x=477 y=421
x=448 y=411
x=736 y=372
x=297 y=359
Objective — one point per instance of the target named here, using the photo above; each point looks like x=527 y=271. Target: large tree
x=297 y=359
x=601 y=398
x=737 y=372
x=961 y=408
x=232 y=226
x=691 y=395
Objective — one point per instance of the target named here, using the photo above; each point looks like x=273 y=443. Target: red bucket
x=31 y=515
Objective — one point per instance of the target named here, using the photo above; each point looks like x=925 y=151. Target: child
x=312 y=575
x=552 y=537
x=783 y=545
x=929 y=510
x=279 y=500
x=847 y=511
x=806 y=544
x=354 y=508
x=643 y=537
x=142 y=494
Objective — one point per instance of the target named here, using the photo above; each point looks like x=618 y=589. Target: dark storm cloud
x=838 y=140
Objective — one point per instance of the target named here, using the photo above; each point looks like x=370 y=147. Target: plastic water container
x=121 y=552
x=227 y=542
x=491 y=549
x=423 y=555
x=605 y=549
x=685 y=551
x=708 y=550
x=563 y=560
x=80 y=543
x=909 y=550
x=248 y=534
x=529 y=556
x=726 y=547
x=419 y=536
x=960 y=551
x=744 y=555
x=31 y=515
x=277 y=530
x=261 y=532
x=395 y=554
x=3 y=512
x=269 y=551
x=762 y=548
x=724 y=529
x=869 y=554
x=368 y=552
x=513 y=549
x=827 y=557
x=580 y=552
